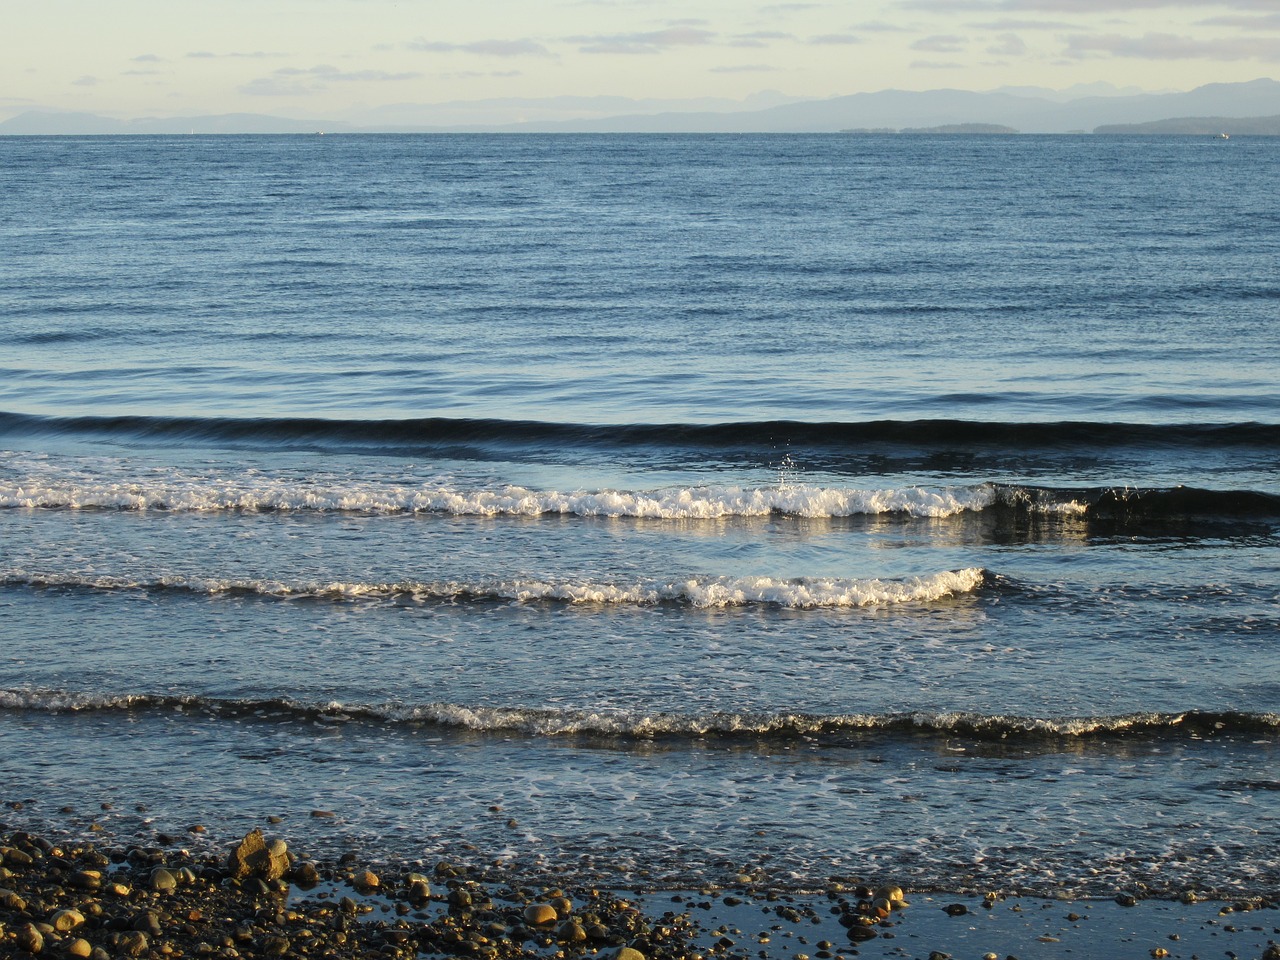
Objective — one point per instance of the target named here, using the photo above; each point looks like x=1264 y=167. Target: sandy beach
x=258 y=897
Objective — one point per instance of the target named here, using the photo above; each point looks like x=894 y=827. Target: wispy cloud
x=1264 y=22
x=760 y=38
x=1168 y=46
x=485 y=48
x=255 y=55
x=1008 y=45
x=305 y=81
x=746 y=68
x=1074 y=6
x=935 y=65
x=880 y=26
x=148 y=58
x=834 y=39
x=327 y=73
x=85 y=81
x=1012 y=24
x=940 y=43
x=654 y=41
x=279 y=87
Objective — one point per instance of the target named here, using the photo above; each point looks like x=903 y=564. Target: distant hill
x=1221 y=104
x=1202 y=126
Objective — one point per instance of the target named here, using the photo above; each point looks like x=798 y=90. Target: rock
x=571 y=932
x=563 y=906
x=893 y=893
x=86 y=879
x=252 y=856
x=956 y=909
x=419 y=891
x=540 y=914
x=628 y=953
x=79 y=948
x=29 y=938
x=162 y=881
x=11 y=901
x=306 y=874
x=366 y=880
x=64 y=921
x=132 y=944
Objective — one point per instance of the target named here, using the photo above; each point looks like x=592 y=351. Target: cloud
x=652 y=42
x=275 y=87
x=85 y=81
x=760 y=38
x=746 y=68
x=255 y=55
x=879 y=26
x=1168 y=46
x=1269 y=21
x=1025 y=25
x=940 y=43
x=1010 y=45
x=834 y=39
x=305 y=81
x=148 y=58
x=327 y=73
x=1073 y=6
x=935 y=65
x=788 y=7
x=485 y=48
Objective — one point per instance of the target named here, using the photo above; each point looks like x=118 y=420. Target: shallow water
x=849 y=504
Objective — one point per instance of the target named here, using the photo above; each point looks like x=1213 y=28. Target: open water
x=656 y=508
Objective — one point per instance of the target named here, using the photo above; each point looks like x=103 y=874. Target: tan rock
x=539 y=914
x=254 y=857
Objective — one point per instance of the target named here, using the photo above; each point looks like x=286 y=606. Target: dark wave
x=435 y=432
x=725 y=725
x=1130 y=506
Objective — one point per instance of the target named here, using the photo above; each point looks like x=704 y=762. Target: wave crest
x=705 y=592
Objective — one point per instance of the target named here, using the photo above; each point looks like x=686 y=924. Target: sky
x=344 y=59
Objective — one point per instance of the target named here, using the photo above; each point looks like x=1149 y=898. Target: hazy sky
x=332 y=57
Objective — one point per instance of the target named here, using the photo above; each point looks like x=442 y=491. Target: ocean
x=650 y=509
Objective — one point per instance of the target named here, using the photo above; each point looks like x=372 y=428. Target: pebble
x=540 y=914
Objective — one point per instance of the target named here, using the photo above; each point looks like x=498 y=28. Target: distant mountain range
x=1244 y=108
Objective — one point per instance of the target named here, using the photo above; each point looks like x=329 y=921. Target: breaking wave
x=639 y=724
x=705 y=592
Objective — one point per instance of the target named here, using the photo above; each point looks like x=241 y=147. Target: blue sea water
x=651 y=508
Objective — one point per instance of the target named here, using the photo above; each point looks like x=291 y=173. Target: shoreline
x=258 y=897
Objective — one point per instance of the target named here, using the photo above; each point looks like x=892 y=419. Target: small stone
x=563 y=906
x=366 y=880
x=275 y=946
x=571 y=932
x=12 y=901
x=79 y=948
x=628 y=953
x=64 y=921
x=29 y=938
x=1126 y=900
x=85 y=880
x=323 y=814
x=891 y=892
x=133 y=944
x=956 y=909
x=305 y=873
x=539 y=914
x=162 y=881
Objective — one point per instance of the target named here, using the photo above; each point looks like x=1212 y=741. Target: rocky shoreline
x=103 y=901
